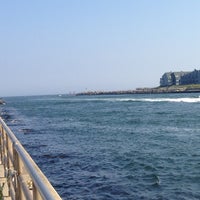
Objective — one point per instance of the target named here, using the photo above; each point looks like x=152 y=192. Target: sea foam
x=186 y=100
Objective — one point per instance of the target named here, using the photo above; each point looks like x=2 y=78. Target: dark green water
x=112 y=147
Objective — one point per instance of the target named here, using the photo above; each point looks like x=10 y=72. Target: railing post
x=7 y=166
x=7 y=153
x=36 y=194
x=16 y=167
x=1 y=143
x=3 y=147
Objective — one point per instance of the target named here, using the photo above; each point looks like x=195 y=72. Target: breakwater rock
x=156 y=90
x=2 y=101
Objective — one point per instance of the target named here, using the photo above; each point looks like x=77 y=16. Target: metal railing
x=24 y=178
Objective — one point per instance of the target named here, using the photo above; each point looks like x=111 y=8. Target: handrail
x=16 y=159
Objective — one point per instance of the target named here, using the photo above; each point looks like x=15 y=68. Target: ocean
x=116 y=147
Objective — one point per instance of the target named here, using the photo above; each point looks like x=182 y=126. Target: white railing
x=24 y=178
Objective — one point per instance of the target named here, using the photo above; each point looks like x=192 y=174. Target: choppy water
x=112 y=147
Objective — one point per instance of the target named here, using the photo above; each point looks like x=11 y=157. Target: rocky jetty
x=156 y=90
x=2 y=101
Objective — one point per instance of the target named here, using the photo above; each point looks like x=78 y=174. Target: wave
x=178 y=100
x=186 y=100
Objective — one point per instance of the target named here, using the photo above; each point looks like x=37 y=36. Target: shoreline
x=195 y=88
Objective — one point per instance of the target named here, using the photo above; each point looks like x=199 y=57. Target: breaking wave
x=186 y=100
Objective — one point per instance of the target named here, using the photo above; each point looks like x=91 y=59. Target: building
x=172 y=78
x=180 y=78
x=191 y=78
x=166 y=79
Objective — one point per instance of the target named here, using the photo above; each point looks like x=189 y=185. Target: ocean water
x=112 y=147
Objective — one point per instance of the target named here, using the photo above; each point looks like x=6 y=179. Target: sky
x=64 y=46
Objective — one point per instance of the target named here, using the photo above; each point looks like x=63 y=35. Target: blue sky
x=52 y=47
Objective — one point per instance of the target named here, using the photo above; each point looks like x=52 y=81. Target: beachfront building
x=177 y=76
x=180 y=78
x=191 y=78
x=171 y=78
x=166 y=79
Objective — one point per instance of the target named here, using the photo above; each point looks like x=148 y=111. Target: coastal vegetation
x=180 y=88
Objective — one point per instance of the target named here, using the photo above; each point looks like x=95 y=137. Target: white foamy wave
x=186 y=100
